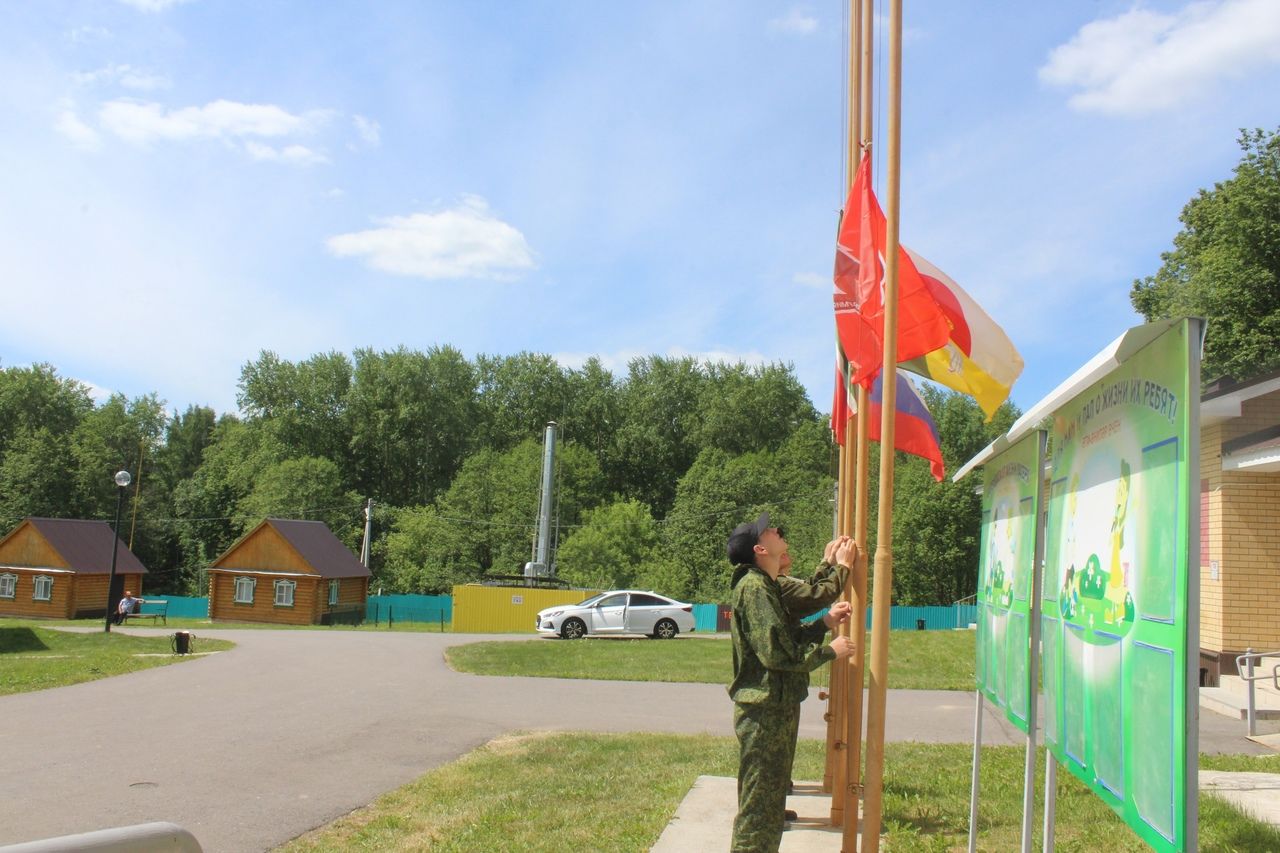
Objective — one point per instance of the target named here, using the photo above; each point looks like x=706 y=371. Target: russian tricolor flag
x=914 y=431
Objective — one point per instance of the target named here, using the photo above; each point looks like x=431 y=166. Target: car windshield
x=592 y=600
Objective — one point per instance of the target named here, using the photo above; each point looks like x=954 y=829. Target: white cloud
x=86 y=35
x=370 y=131
x=125 y=75
x=294 y=155
x=797 y=21
x=139 y=122
x=812 y=279
x=80 y=134
x=1143 y=61
x=153 y=5
x=466 y=241
x=99 y=394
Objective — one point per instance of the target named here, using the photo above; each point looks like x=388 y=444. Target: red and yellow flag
x=860 y=289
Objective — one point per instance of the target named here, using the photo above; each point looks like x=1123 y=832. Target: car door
x=609 y=614
x=643 y=613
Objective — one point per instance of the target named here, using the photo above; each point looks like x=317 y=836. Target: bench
x=155 y=610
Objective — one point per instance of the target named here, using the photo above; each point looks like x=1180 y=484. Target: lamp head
x=123 y=479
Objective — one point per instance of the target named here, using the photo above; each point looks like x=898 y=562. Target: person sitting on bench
x=127 y=605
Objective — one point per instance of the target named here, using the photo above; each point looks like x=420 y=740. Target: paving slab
x=1255 y=794
x=704 y=820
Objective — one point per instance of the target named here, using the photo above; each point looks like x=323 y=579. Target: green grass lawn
x=617 y=793
x=934 y=660
x=35 y=656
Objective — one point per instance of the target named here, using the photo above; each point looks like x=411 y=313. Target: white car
x=624 y=611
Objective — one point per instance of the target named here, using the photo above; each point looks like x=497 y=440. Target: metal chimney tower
x=541 y=565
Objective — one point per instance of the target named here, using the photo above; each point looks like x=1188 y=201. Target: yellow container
x=504 y=609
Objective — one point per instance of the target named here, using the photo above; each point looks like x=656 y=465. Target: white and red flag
x=860 y=289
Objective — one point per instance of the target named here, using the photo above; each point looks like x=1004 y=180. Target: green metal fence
x=713 y=617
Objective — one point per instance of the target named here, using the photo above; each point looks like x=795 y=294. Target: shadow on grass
x=20 y=640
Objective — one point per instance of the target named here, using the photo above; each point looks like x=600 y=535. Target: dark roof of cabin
x=320 y=548
x=1226 y=384
x=1262 y=439
x=86 y=545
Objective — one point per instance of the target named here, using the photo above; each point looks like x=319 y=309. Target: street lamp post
x=122 y=482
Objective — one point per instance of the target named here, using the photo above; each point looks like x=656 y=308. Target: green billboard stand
x=1120 y=599
x=1008 y=601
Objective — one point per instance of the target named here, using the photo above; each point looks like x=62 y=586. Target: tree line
x=655 y=466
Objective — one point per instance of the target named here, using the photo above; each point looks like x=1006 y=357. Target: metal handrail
x=1246 y=660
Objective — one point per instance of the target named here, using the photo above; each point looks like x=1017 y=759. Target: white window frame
x=8 y=585
x=244 y=583
x=287 y=587
x=39 y=582
x=334 y=586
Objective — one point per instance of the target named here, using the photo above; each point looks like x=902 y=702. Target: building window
x=8 y=586
x=244 y=590
x=43 y=588
x=333 y=590
x=284 y=593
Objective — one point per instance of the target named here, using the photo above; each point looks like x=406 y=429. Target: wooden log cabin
x=288 y=572
x=58 y=568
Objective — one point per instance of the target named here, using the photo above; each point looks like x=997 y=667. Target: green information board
x=1118 y=590
x=1006 y=565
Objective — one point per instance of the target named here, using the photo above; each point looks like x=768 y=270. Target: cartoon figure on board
x=1099 y=598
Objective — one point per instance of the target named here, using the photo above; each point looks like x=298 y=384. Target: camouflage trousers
x=766 y=749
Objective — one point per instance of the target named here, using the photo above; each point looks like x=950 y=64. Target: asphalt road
x=291 y=729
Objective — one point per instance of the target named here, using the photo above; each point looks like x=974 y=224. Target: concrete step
x=1264 y=687
x=1230 y=704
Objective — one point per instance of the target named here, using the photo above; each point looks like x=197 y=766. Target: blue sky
x=188 y=183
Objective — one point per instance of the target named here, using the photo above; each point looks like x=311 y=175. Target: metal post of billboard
x=1195 y=330
x=973 y=779
x=1033 y=669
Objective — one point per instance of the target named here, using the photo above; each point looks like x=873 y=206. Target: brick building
x=1239 y=521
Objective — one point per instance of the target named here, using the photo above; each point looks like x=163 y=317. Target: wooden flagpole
x=833 y=714
x=861 y=24
x=841 y=675
x=883 y=583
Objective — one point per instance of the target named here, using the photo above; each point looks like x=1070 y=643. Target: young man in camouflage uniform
x=801 y=598
x=772 y=658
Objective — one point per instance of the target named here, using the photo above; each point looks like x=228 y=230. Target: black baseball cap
x=743 y=539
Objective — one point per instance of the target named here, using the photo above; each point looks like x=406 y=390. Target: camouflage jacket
x=801 y=598
x=772 y=653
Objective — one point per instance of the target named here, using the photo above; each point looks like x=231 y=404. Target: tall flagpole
x=883 y=584
x=862 y=18
x=831 y=778
x=842 y=687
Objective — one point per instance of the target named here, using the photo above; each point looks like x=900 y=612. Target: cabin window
x=43 y=588
x=244 y=590
x=333 y=591
x=8 y=586
x=284 y=593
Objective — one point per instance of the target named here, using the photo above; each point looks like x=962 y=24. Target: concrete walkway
x=291 y=729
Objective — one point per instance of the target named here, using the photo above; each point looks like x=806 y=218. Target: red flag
x=860 y=287
x=840 y=409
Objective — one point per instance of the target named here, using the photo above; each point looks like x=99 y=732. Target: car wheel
x=665 y=630
x=573 y=629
